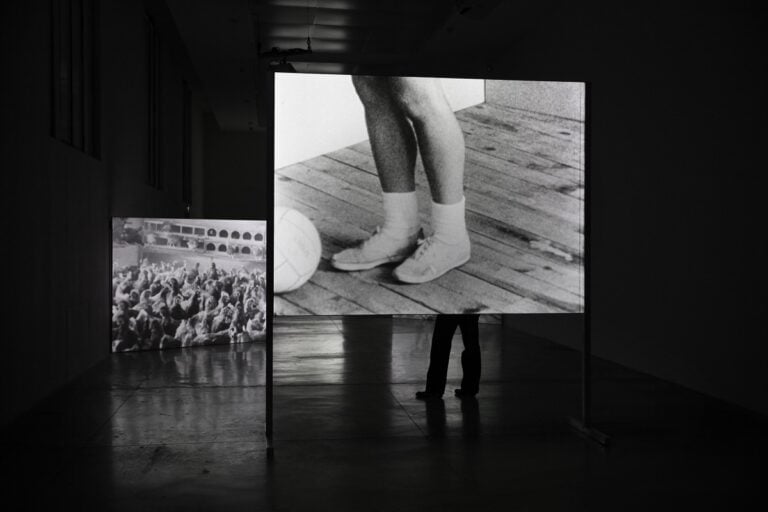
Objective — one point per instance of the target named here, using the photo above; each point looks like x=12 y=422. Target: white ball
x=297 y=249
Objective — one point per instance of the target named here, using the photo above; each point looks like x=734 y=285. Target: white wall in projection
x=307 y=108
x=433 y=195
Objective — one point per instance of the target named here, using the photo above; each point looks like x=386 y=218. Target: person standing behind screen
x=403 y=115
x=440 y=353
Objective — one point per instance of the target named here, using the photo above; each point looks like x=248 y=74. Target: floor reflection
x=436 y=418
x=184 y=430
x=470 y=418
x=367 y=349
x=357 y=377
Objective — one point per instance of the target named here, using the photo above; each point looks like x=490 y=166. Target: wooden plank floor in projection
x=524 y=188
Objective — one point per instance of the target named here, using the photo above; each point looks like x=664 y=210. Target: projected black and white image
x=187 y=282
x=411 y=195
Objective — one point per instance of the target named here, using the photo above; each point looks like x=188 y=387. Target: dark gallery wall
x=677 y=181
x=125 y=48
x=677 y=187
x=236 y=182
x=55 y=213
x=58 y=199
x=677 y=123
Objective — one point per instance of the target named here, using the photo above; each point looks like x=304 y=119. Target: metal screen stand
x=583 y=425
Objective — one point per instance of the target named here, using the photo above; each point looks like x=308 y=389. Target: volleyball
x=297 y=249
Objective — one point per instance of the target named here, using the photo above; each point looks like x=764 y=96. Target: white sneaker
x=379 y=249
x=432 y=259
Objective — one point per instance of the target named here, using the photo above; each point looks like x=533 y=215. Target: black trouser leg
x=470 y=357
x=439 y=354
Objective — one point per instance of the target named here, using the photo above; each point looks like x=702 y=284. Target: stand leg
x=583 y=425
x=269 y=392
x=268 y=88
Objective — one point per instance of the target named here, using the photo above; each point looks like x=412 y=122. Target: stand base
x=270 y=448
x=589 y=433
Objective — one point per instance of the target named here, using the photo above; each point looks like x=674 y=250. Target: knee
x=370 y=90
x=419 y=98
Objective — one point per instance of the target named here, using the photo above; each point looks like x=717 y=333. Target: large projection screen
x=187 y=282
x=429 y=195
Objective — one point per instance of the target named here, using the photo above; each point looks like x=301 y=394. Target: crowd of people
x=168 y=305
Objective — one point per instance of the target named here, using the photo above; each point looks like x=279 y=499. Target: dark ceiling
x=224 y=39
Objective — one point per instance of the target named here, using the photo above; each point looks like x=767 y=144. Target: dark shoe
x=428 y=395
x=460 y=393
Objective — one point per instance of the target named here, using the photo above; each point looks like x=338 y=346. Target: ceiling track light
x=279 y=57
x=277 y=52
x=282 y=66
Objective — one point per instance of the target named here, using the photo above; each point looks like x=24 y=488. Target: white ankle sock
x=448 y=222
x=401 y=214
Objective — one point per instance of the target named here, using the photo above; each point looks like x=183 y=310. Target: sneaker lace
x=370 y=239
x=423 y=246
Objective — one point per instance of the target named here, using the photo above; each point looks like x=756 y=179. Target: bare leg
x=441 y=145
x=439 y=135
x=395 y=108
x=393 y=141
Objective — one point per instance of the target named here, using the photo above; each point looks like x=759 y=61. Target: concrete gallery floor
x=183 y=430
